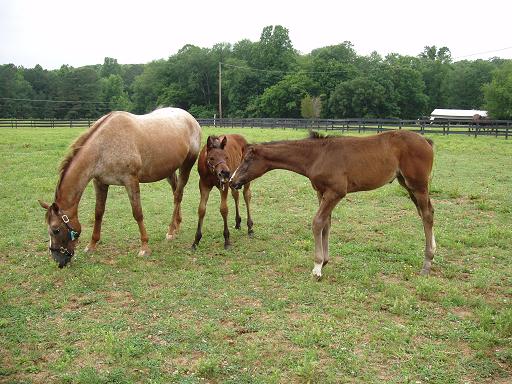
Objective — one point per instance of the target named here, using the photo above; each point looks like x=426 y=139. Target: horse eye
x=56 y=231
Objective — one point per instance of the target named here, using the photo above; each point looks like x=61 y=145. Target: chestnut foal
x=217 y=158
x=340 y=165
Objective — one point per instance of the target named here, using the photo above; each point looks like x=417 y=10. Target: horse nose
x=224 y=174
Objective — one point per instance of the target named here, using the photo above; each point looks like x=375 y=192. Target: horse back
x=152 y=146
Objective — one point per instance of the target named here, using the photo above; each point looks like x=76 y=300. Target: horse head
x=217 y=158
x=253 y=165
x=64 y=231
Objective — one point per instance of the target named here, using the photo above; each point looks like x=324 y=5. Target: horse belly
x=372 y=177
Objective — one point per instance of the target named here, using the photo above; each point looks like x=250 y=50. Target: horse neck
x=293 y=156
x=72 y=184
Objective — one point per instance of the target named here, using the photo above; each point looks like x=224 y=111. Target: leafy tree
x=284 y=98
x=81 y=89
x=110 y=67
x=498 y=93
x=14 y=86
x=311 y=107
x=361 y=97
x=464 y=82
x=435 y=66
x=148 y=86
x=114 y=94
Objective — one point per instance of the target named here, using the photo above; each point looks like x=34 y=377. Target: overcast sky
x=82 y=32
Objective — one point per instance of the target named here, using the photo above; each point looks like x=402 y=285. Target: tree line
x=266 y=78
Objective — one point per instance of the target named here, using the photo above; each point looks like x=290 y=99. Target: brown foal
x=340 y=165
x=217 y=158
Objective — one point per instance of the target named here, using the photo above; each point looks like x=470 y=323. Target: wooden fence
x=496 y=128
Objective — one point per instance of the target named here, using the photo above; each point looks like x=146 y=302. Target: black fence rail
x=46 y=123
x=496 y=128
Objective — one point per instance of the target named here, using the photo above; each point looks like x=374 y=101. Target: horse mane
x=75 y=148
x=317 y=135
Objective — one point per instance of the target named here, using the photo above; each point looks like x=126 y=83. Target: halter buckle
x=65 y=219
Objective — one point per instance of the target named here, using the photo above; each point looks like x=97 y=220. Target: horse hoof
x=170 y=236
x=425 y=272
x=194 y=246
x=250 y=234
x=144 y=252
x=317 y=271
x=89 y=249
x=227 y=246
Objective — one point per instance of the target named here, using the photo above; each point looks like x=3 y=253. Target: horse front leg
x=133 y=189
x=321 y=227
x=201 y=211
x=236 y=198
x=178 y=187
x=247 y=199
x=101 y=198
x=224 y=213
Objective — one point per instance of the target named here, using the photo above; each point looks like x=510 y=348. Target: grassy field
x=253 y=314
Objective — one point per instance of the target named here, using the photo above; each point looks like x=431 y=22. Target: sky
x=83 y=32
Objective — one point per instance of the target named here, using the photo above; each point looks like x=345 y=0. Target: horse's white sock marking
x=317 y=270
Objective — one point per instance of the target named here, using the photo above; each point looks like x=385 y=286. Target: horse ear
x=55 y=207
x=209 y=142
x=223 y=142
x=43 y=204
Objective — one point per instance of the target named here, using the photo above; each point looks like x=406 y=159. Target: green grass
x=253 y=314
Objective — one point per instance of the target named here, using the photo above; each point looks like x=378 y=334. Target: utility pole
x=220 y=90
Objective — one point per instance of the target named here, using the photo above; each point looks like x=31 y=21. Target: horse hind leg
x=419 y=195
x=401 y=181
x=101 y=198
x=178 y=184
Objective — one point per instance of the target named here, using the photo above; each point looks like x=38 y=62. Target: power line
x=55 y=101
x=482 y=53
x=277 y=70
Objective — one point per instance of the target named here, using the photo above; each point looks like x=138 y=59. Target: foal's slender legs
x=247 y=199
x=427 y=215
x=133 y=189
x=204 y=190
x=325 y=233
x=321 y=224
x=236 y=195
x=178 y=186
x=419 y=196
x=224 y=213
x=101 y=198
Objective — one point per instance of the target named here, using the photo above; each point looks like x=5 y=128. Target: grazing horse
x=122 y=149
x=217 y=158
x=340 y=165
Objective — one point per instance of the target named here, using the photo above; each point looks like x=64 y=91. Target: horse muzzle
x=62 y=256
x=236 y=185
